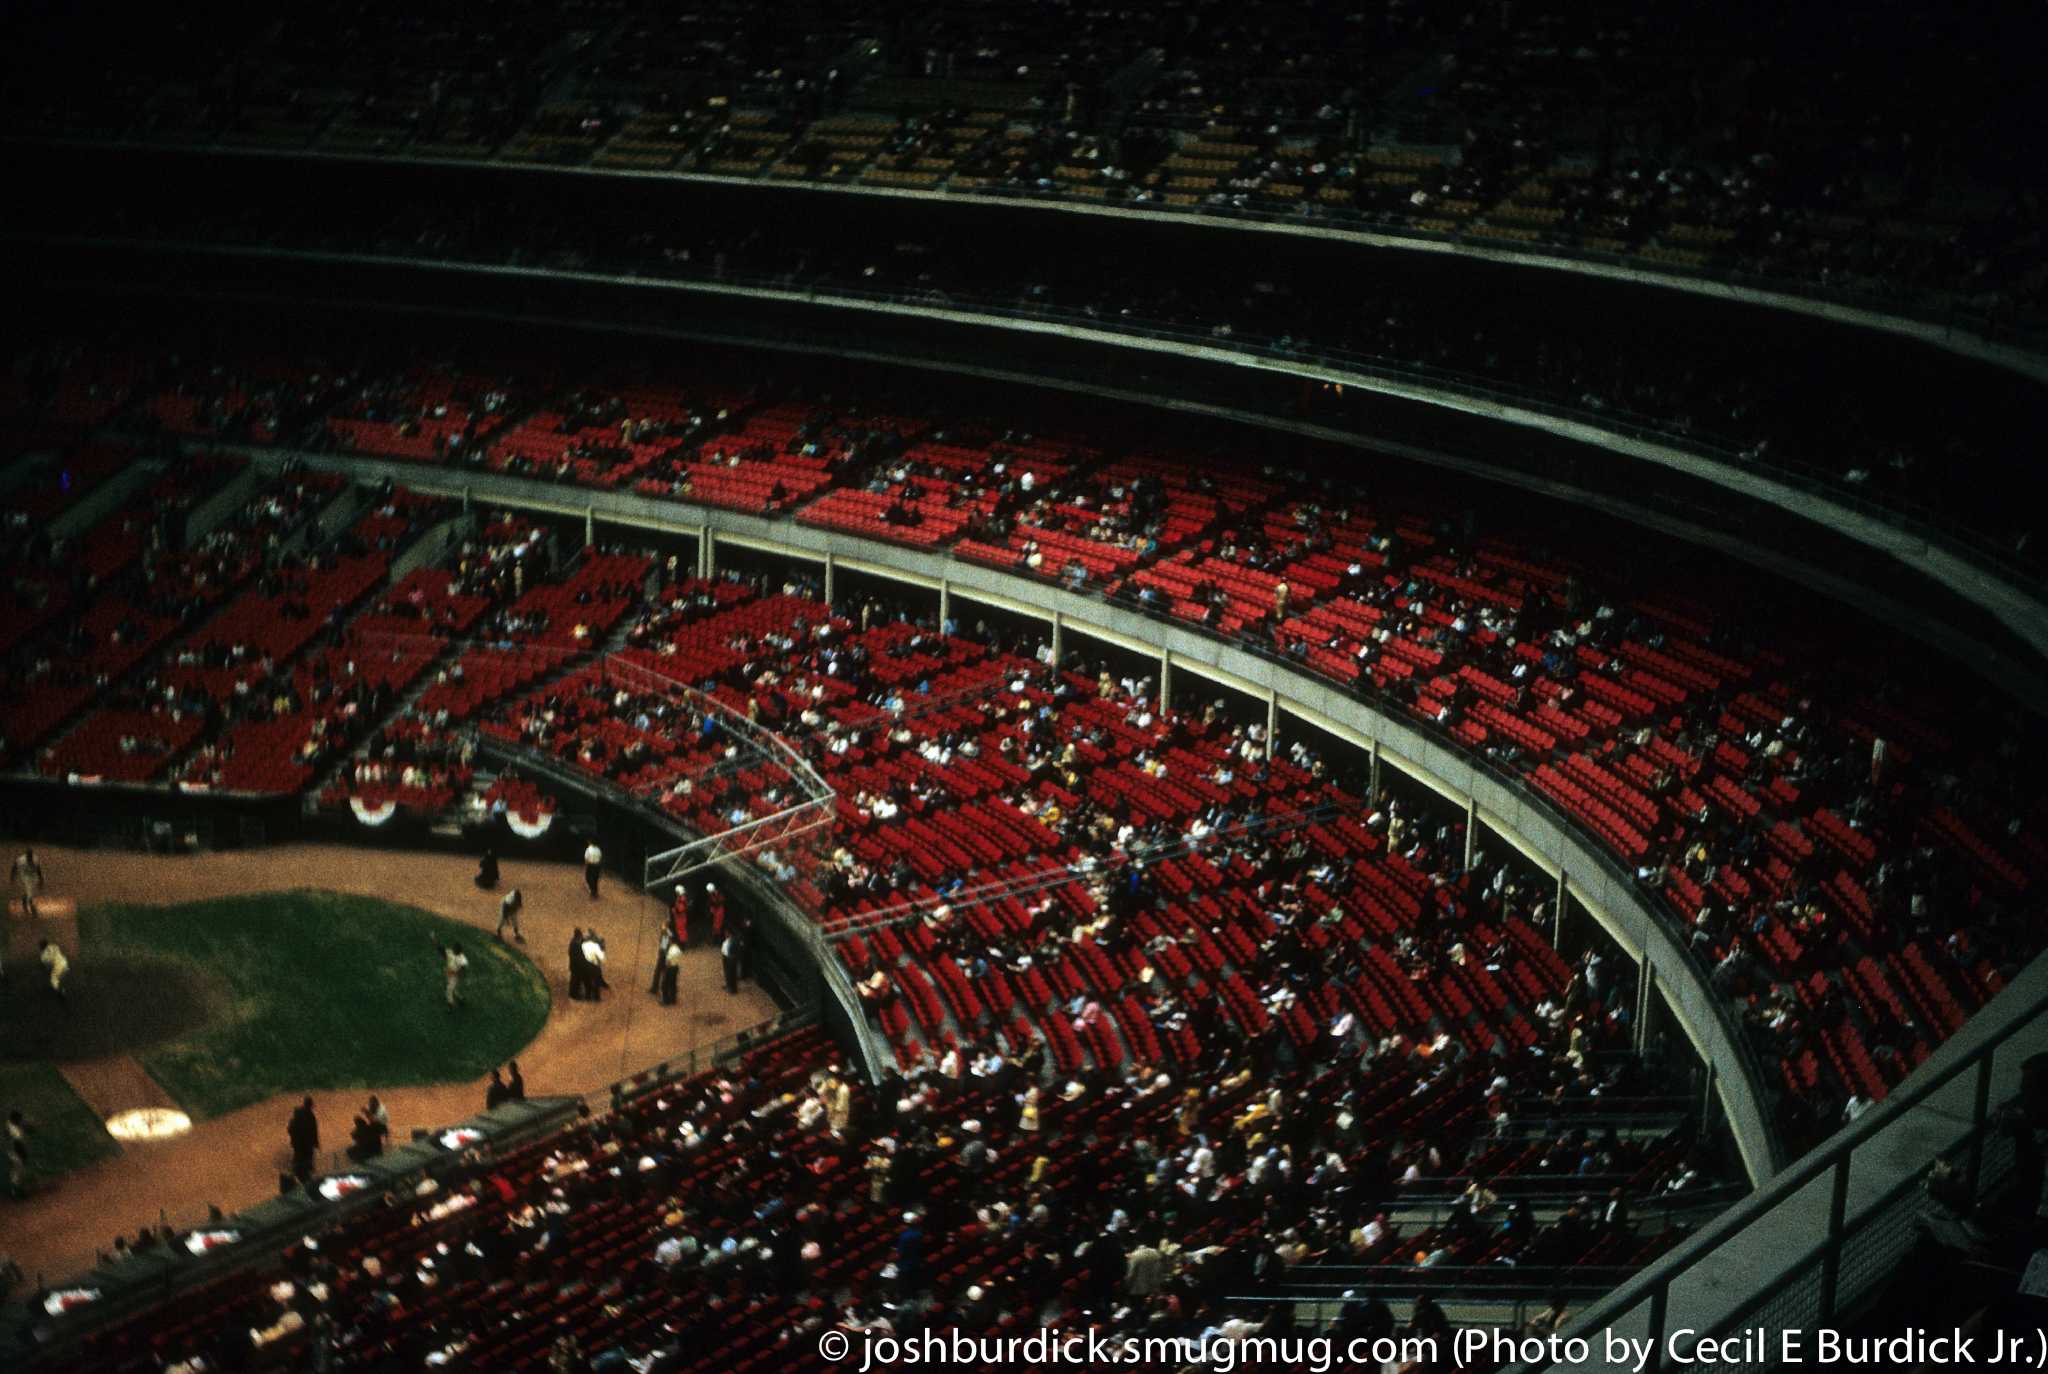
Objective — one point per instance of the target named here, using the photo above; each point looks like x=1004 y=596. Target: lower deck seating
x=726 y=1221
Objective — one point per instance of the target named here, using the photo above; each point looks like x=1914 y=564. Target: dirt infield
x=117 y=1005
x=233 y=1160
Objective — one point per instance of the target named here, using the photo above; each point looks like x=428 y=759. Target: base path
x=21 y=934
x=233 y=1160
x=116 y=1083
x=47 y=907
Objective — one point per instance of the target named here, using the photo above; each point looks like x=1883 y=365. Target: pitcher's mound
x=112 y=1005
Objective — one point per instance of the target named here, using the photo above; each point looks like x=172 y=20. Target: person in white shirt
x=508 y=915
x=674 y=1250
x=453 y=963
x=53 y=959
x=593 y=958
x=593 y=868
x=671 y=973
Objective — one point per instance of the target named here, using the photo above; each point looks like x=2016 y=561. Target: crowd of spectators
x=1720 y=746
x=1781 y=406
x=729 y=1220
x=1849 y=846
x=1683 y=137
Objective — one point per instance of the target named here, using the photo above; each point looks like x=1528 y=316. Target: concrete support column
x=707 y=553
x=589 y=526
x=1059 y=648
x=1374 y=756
x=1272 y=724
x=465 y=500
x=1165 y=682
x=1557 y=910
x=1646 y=985
x=945 y=601
x=831 y=565
x=1471 y=831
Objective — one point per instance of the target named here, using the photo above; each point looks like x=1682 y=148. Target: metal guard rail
x=1822 y=1262
x=700 y=1058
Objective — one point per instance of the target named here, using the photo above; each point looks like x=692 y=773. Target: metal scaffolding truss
x=753 y=747
x=758 y=748
x=816 y=812
x=762 y=834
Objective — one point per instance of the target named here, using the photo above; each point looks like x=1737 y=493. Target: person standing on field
x=594 y=981
x=714 y=905
x=454 y=963
x=508 y=915
x=593 y=868
x=679 y=915
x=18 y=1132
x=660 y=959
x=671 y=973
x=304 y=1134
x=27 y=874
x=579 y=971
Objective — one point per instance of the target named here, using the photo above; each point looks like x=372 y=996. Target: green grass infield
x=311 y=991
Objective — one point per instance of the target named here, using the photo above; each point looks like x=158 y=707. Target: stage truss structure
x=750 y=746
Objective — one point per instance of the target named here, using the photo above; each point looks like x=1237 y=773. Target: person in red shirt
x=679 y=916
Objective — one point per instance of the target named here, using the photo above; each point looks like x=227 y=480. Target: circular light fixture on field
x=148 y=1123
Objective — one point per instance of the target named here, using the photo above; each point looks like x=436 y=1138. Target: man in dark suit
x=304 y=1134
x=579 y=970
x=660 y=960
